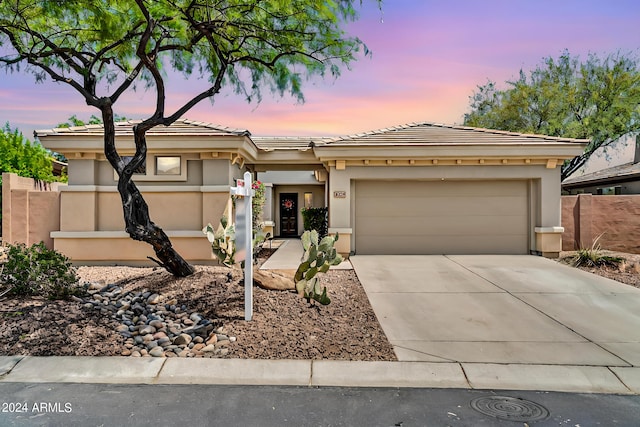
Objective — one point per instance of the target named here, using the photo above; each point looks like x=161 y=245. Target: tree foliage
x=24 y=158
x=598 y=99
x=104 y=48
x=75 y=121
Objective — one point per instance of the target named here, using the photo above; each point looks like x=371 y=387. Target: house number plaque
x=340 y=194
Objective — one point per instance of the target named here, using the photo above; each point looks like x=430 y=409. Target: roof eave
x=618 y=179
x=559 y=151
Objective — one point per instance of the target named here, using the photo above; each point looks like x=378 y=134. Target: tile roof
x=422 y=133
x=270 y=143
x=618 y=173
x=434 y=133
x=179 y=127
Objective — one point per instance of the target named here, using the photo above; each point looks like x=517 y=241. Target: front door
x=288 y=214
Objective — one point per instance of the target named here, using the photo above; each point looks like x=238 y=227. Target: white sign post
x=244 y=237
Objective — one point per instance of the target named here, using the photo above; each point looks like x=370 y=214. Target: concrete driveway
x=502 y=310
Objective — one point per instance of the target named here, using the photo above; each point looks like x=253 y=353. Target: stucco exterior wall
x=544 y=189
x=91 y=229
x=615 y=220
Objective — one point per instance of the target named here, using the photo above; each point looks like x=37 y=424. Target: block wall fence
x=30 y=210
x=616 y=219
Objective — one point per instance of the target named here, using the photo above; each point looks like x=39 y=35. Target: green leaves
x=318 y=257
x=248 y=45
x=222 y=241
x=36 y=270
x=25 y=158
x=597 y=99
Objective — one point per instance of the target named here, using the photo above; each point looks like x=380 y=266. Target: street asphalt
x=56 y=404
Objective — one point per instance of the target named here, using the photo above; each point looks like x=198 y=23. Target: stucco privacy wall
x=29 y=210
x=543 y=185
x=615 y=218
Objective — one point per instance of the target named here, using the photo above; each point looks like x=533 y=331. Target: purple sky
x=428 y=57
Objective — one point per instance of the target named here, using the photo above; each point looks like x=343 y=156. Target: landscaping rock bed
x=627 y=271
x=154 y=326
x=148 y=312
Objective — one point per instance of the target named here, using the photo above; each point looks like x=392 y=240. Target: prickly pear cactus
x=222 y=241
x=318 y=257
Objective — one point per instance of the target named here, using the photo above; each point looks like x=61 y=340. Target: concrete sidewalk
x=123 y=370
x=466 y=322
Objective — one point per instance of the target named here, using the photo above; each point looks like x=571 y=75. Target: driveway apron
x=501 y=309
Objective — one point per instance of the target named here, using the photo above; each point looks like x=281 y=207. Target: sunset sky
x=428 y=57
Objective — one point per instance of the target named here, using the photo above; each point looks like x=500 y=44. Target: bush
x=316 y=219
x=594 y=256
x=36 y=270
x=24 y=158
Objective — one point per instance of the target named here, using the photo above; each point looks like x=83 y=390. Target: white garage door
x=441 y=217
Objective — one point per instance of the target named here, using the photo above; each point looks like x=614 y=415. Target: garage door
x=441 y=217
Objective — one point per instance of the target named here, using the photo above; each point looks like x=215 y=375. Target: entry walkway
x=288 y=255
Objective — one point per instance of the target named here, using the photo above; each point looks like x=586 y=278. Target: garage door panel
x=439 y=225
x=452 y=245
x=427 y=206
x=440 y=188
x=440 y=217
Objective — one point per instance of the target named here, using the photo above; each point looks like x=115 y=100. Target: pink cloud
x=428 y=57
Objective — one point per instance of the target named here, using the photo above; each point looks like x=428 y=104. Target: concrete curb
x=319 y=373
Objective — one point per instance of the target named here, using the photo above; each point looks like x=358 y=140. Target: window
x=609 y=190
x=308 y=200
x=168 y=165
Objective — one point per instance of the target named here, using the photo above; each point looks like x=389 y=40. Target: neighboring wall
x=586 y=217
x=30 y=210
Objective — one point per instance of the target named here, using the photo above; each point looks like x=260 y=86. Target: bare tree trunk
x=136 y=211
x=140 y=227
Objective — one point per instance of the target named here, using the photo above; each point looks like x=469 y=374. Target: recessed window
x=140 y=170
x=609 y=190
x=308 y=200
x=168 y=165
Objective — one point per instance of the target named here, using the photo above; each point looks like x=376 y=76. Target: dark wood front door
x=288 y=214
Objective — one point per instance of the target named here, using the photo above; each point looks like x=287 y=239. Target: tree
x=93 y=120
x=24 y=158
x=598 y=99
x=103 y=48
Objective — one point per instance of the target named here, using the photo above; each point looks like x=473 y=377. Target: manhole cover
x=510 y=408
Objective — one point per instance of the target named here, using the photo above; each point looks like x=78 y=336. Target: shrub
x=316 y=219
x=594 y=256
x=36 y=270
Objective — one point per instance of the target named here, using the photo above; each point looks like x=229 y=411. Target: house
x=419 y=188
x=618 y=176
